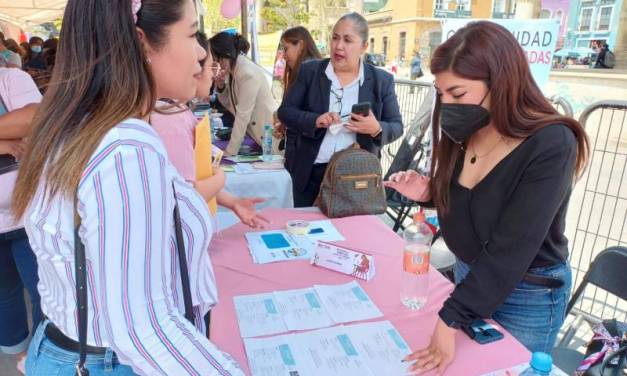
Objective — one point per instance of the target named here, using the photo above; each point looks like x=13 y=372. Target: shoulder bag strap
x=80 y=266
x=180 y=245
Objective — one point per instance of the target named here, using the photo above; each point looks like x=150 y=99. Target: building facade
x=402 y=27
x=593 y=21
x=557 y=9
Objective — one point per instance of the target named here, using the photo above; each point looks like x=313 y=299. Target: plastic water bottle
x=216 y=121
x=267 y=143
x=540 y=365
x=416 y=254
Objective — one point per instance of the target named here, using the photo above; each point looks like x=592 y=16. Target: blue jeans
x=18 y=269
x=47 y=359
x=531 y=313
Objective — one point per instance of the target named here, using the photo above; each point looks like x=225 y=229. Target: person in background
x=243 y=89
x=92 y=161
x=176 y=125
x=8 y=58
x=415 y=69
x=601 y=61
x=323 y=96
x=46 y=59
x=25 y=47
x=18 y=266
x=12 y=45
x=35 y=59
x=505 y=164
x=298 y=47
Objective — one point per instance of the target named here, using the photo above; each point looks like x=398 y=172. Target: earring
x=148 y=60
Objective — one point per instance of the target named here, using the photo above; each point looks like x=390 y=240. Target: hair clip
x=136 y=5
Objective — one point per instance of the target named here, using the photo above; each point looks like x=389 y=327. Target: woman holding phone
x=317 y=108
x=505 y=163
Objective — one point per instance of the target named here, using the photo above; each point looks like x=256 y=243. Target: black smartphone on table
x=482 y=332
x=362 y=109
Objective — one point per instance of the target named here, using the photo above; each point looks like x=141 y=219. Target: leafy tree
x=283 y=14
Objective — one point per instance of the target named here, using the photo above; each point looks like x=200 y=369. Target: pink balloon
x=232 y=8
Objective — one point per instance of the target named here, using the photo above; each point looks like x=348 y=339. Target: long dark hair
x=228 y=45
x=488 y=52
x=101 y=77
x=309 y=51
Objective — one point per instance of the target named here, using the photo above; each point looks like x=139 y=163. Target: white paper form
x=258 y=315
x=329 y=352
x=302 y=309
x=347 y=302
x=273 y=246
x=272 y=357
x=381 y=346
x=324 y=231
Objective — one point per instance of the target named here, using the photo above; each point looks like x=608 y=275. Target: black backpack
x=610 y=59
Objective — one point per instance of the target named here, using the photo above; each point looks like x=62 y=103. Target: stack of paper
x=302 y=309
x=361 y=350
x=273 y=246
x=279 y=245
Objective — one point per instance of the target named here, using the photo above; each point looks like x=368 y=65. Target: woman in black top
x=503 y=171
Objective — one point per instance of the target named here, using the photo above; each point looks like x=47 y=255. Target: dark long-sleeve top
x=511 y=221
x=308 y=98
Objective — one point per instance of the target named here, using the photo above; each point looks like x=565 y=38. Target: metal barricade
x=598 y=207
x=562 y=105
x=410 y=96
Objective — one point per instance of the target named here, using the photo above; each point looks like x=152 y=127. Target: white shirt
x=126 y=204
x=349 y=95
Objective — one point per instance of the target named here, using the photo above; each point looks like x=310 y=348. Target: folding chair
x=608 y=272
x=413 y=151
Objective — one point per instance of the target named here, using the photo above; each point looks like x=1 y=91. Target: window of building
x=371 y=45
x=605 y=17
x=545 y=13
x=463 y=5
x=503 y=8
x=499 y=6
x=385 y=46
x=402 y=41
x=585 y=19
x=559 y=15
x=441 y=4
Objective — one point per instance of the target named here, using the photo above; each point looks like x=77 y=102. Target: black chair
x=608 y=271
x=412 y=152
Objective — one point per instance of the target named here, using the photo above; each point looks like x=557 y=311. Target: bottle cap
x=541 y=362
x=419 y=217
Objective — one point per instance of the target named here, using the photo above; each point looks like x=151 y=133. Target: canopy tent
x=24 y=13
x=31 y=12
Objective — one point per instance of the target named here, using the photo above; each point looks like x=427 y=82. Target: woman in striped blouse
x=91 y=147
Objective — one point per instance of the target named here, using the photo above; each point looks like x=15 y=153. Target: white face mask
x=36 y=49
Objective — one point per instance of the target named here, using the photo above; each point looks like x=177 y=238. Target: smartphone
x=362 y=109
x=482 y=332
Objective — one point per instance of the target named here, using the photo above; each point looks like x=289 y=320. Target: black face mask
x=460 y=121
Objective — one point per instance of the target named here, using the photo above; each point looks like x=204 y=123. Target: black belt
x=540 y=280
x=66 y=343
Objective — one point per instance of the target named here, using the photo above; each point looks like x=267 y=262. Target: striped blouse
x=126 y=203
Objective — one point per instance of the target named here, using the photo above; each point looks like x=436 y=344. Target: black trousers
x=306 y=198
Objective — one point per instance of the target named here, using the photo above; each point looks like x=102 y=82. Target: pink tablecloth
x=237 y=275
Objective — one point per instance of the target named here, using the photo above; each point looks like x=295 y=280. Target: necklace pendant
x=473 y=159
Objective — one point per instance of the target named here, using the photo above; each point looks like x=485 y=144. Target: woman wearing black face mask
x=504 y=166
